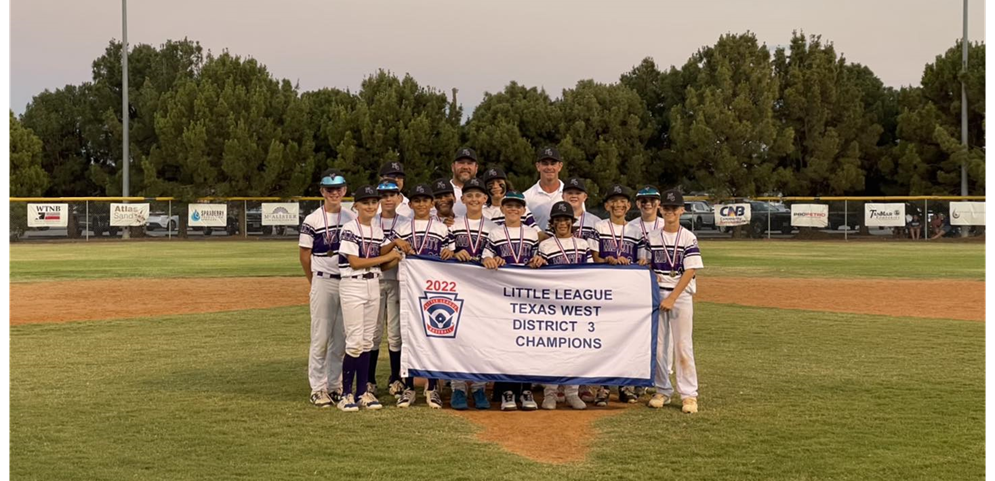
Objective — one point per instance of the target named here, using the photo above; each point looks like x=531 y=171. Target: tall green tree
x=509 y=126
x=233 y=130
x=726 y=130
x=394 y=119
x=603 y=134
x=821 y=102
x=928 y=157
x=27 y=177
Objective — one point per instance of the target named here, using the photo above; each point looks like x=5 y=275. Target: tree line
x=737 y=119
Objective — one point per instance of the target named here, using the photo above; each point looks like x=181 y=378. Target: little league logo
x=440 y=313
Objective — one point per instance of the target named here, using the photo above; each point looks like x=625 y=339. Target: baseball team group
x=350 y=257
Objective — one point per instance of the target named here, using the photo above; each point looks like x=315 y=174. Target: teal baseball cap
x=648 y=191
x=388 y=186
x=513 y=197
x=332 y=178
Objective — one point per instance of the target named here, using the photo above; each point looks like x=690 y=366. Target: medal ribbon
x=521 y=242
x=474 y=244
x=367 y=246
x=424 y=239
x=580 y=230
x=392 y=223
x=617 y=240
x=324 y=217
x=642 y=225
x=564 y=252
x=677 y=242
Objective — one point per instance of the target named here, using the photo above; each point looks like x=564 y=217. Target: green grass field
x=784 y=394
x=42 y=262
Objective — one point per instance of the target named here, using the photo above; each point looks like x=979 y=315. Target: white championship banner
x=281 y=213
x=48 y=215
x=884 y=215
x=967 y=213
x=208 y=215
x=728 y=215
x=129 y=215
x=584 y=324
x=810 y=215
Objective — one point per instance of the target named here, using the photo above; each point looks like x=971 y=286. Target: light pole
x=963 y=112
x=125 y=158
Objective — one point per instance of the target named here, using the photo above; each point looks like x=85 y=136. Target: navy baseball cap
x=548 y=153
x=562 y=209
x=513 y=197
x=618 y=190
x=465 y=153
x=442 y=186
x=648 y=191
x=673 y=197
x=575 y=183
x=474 y=184
x=494 y=173
x=392 y=169
x=388 y=186
x=423 y=190
x=332 y=178
x=366 y=192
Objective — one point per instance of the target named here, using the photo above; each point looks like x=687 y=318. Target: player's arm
x=358 y=263
x=682 y=284
x=306 y=262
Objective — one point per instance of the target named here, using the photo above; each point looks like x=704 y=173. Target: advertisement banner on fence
x=884 y=215
x=732 y=214
x=208 y=215
x=583 y=324
x=967 y=213
x=281 y=213
x=810 y=215
x=129 y=215
x=48 y=215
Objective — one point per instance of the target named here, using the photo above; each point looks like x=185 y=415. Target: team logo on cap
x=440 y=312
x=617 y=190
x=466 y=152
x=420 y=190
x=491 y=173
x=395 y=166
x=671 y=197
x=548 y=152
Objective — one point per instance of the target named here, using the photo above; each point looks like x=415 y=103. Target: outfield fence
x=85 y=218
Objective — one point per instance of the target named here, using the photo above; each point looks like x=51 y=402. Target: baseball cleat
x=407 y=398
x=480 y=399
x=601 y=400
x=626 y=395
x=396 y=388
x=371 y=387
x=321 y=399
x=560 y=397
x=639 y=391
x=348 y=404
x=528 y=402
x=508 y=401
x=434 y=399
x=690 y=405
x=576 y=402
x=369 y=401
x=658 y=401
x=336 y=396
x=458 y=401
x=586 y=395
x=549 y=402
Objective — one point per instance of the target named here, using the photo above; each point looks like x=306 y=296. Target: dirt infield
x=131 y=298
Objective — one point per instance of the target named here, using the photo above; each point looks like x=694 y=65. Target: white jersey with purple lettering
x=516 y=245
x=321 y=235
x=618 y=240
x=572 y=250
x=362 y=241
x=671 y=254
x=584 y=229
x=389 y=227
x=427 y=237
x=642 y=230
x=493 y=212
x=471 y=235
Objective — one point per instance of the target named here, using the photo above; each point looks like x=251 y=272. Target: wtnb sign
x=586 y=324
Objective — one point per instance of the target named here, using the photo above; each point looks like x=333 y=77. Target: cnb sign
x=732 y=214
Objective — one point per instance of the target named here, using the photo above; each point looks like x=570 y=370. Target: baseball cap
x=494 y=173
x=617 y=190
x=562 y=209
x=388 y=186
x=673 y=197
x=465 y=153
x=548 y=153
x=575 y=183
x=332 y=178
x=442 y=186
x=392 y=169
x=365 y=192
x=513 y=197
x=422 y=190
x=474 y=184
x=648 y=191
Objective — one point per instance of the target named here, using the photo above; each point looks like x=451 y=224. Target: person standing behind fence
x=676 y=259
x=364 y=251
x=319 y=256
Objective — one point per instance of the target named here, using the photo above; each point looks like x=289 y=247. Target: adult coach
x=549 y=190
x=464 y=168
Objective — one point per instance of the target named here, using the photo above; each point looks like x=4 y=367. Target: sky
x=474 y=46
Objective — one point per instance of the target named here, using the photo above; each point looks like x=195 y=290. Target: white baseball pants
x=324 y=365
x=675 y=326
x=390 y=306
x=360 y=306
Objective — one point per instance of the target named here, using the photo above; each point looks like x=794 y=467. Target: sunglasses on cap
x=329 y=181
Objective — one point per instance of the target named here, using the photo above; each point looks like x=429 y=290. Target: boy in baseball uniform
x=648 y=202
x=394 y=172
x=497 y=185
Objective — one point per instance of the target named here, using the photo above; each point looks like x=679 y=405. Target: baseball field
x=186 y=360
